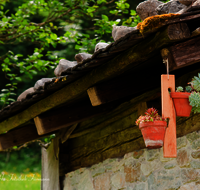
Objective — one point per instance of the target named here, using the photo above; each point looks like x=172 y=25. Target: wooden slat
x=67 y=116
x=183 y=54
x=50 y=167
x=18 y=136
x=116 y=66
x=168 y=111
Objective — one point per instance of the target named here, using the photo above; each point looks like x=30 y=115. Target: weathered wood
x=106 y=150
x=96 y=136
x=127 y=85
x=183 y=54
x=18 y=136
x=50 y=168
x=68 y=115
x=103 y=144
x=184 y=126
x=188 y=125
x=100 y=156
x=168 y=111
x=125 y=109
x=116 y=66
x=196 y=32
x=65 y=133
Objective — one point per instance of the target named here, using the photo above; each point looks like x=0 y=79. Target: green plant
x=195 y=83
x=179 y=89
x=150 y=115
x=194 y=97
x=194 y=88
x=35 y=35
x=194 y=100
x=188 y=88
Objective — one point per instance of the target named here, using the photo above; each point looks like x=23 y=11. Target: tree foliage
x=36 y=34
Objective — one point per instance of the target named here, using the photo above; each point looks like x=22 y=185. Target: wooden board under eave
x=129 y=84
x=183 y=54
x=69 y=115
x=18 y=136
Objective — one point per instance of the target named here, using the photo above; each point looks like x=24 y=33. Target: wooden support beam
x=50 y=167
x=18 y=136
x=131 y=58
x=182 y=54
x=130 y=84
x=68 y=115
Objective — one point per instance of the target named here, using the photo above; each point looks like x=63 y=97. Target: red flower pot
x=181 y=103
x=153 y=133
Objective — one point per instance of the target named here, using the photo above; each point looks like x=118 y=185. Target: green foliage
x=36 y=34
x=188 y=88
x=195 y=83
x=194 y=99
x=25 y=160
x=179 y=89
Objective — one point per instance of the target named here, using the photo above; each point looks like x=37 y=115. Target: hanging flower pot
x=153 y=128
x=153 y=133
x=181 y=103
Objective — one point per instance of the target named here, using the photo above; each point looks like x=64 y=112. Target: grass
x=20 y=170
x=18 y=181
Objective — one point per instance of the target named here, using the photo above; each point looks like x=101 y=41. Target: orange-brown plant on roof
x=154 y=22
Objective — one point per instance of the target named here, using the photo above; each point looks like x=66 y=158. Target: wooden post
x=50 y=167
x=168 y=110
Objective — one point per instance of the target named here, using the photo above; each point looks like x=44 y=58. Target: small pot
x=181 y=103
x=153 y=133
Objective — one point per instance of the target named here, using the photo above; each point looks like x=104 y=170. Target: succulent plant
x=194 y=100
x=179 y=89
x=195 y=83
x=150 y=115
x=194 y=88
x=188 y=88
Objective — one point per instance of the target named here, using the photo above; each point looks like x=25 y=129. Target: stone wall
x=144 y=170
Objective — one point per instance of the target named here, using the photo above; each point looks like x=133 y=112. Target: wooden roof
x=122 y=72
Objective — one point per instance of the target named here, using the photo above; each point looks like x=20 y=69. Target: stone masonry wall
x=144 y=170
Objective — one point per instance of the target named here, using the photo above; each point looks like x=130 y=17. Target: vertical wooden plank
x=50 y=167
x=168 y=110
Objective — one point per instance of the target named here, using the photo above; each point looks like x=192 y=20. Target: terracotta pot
x=153 y=133
x=181 y=103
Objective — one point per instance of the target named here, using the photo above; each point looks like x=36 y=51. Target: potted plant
x=189 y=100
x=153 y=128
x=181 y=102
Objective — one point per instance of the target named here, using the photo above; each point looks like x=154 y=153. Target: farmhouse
x=92 y=105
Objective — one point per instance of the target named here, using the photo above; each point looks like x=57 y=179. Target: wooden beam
x=68 y=115
x=18 y=136
x=132 y=57
x=129 y=84
x=183 y=54
x=65 y=133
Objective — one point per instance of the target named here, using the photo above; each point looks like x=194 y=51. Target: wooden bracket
x=168 y=111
